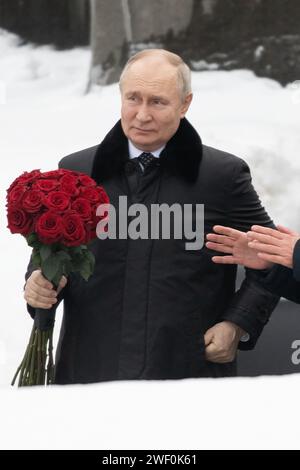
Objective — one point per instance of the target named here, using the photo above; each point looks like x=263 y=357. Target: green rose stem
x=34 y=368
x=44 y=354
x=27 y=361
x=39 y=359
x=50 y=368
x=23 y=363
x=37 y=366
x=32 y=362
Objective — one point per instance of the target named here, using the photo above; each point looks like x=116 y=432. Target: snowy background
x=45 y=115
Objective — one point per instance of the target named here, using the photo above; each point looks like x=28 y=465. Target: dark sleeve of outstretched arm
x=253 y=303
x=284 y=281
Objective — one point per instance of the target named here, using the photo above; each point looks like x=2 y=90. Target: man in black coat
x=154 y=309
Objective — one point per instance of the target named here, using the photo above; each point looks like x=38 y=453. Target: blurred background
x=60 y=61
x=261 y=35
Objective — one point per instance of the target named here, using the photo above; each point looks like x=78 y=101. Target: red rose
x=68 y=183
x=95 y=195
x=32 y=201
x=74 y=233
x=69 y=178
x=103 y=197
x=15 y=195
x=49 y=227
x=19 y=221
x=46 y=185
x=92 y=223
x=56 y=174
x=57 y=200
x=71 y=199
x=82 y=207
x=25 y=178
x=86 y=180
x=28 y=177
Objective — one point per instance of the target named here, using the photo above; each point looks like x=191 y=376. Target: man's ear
x=186 y=104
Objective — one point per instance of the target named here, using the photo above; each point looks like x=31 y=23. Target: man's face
x=152 y=104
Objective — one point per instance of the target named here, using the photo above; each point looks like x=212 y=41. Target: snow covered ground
x=44 y=115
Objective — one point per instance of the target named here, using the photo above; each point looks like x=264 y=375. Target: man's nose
x=143 y=114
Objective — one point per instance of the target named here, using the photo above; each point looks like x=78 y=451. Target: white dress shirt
x=135 y=152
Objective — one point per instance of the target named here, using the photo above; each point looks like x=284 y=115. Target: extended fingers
x=224 y=260
x=276 y=259
x=264 y=238
x=227 y=231
x=218 y=247
x=258 y=229
x=224 y=240
x=286 y=230
x=264 y=247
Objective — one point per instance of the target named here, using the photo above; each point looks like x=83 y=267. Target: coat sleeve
x=284 y=281
x=253 y=303
x=296 y=262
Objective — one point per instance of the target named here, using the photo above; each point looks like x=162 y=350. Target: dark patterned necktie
x=146 y=159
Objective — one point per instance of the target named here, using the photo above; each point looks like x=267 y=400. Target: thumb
x=62 y=284
x=208 y=337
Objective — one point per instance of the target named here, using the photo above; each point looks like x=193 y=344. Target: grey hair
x=183 y=70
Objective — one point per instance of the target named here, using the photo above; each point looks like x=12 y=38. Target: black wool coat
x=144 y=312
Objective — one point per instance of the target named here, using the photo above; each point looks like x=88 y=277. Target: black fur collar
x=181 y=156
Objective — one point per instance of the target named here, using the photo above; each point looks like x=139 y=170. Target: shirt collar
x=135 y=152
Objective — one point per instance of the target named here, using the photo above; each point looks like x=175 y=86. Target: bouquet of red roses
x=56 y=211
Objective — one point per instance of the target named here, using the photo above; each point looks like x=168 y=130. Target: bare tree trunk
x=127 y=20
x=120 y=27
x=108 y=37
